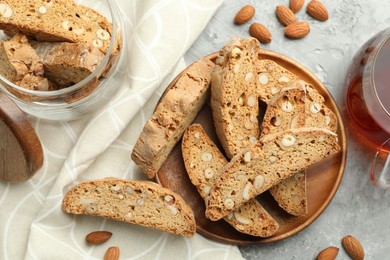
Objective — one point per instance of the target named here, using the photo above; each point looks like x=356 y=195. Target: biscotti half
x=234 y=100
x=175 y=112
x=139 y=202
x=67 y=63
x=57 y=21
x=204 y=162
x=20 y=64
x=272 y=78
x=293 y=107
x=259 y=167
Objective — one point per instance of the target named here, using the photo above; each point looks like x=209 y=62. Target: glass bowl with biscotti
x=59 y=58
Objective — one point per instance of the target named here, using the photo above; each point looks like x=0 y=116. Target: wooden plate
x=322 y=180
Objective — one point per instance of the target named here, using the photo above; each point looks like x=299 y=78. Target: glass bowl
x=86 y=95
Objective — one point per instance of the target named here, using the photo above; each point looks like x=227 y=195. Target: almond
x=328 y=253
x=296 y=5
x=112 y=253
x=297 y=30
x=244 y=15
x=98 y=237
x=260 y=32
x=353 y=247
x=285 y=15
x=317 y=10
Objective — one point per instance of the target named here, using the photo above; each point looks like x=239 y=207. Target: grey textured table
x=358 y=208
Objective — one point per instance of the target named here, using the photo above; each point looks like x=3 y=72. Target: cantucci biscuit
x=139 y=202
x=57 y=21
x=274 y=158
x=297 y=105
x=272 y=78
x=204 y=162
x=234 y=100
x=177 y=109
x=21 y=65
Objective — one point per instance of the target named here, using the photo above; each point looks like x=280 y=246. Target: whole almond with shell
x=328 y=253
x=317 y=10
x=285 y=15
x=260 y=32
x=297 y=30
x=98 y=237
x=244 y=14
x=112 y=253
x=296 y=5
x=353 y=247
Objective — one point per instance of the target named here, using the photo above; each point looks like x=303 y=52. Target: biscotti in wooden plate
x=176 y=110
x=138 y=202
x=204 y=163
x=234 y=99
x=297 y=105
x=281 y=72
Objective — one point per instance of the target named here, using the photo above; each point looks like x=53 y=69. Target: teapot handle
x=381 y=177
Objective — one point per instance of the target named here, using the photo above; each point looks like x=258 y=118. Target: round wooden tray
x=322 y=180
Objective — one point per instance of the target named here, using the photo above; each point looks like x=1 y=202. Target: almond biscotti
x=57 y=21
x=297 y=105
x=274 y=158
x=204 y=162
x=139 y=202
x=67 y=63
x=176 y=111
x=21 y=65
x=272 y=78
x=234 y=100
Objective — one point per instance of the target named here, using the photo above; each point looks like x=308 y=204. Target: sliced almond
x=258 y=182
x=102 y=34
x=287 y=106
x=229 y=203
x=208 y=173
x=42 y=9
x=5 y=10
x=251 y=101
x=288 y=140
x=206 y=156
x=247 y=157
x=263 y=78
x=245 y=192
x=248 y=76
x=315 y=107
x=241 y=219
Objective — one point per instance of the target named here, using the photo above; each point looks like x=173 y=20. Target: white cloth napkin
x=32 y=224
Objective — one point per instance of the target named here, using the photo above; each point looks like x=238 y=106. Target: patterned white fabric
x=32 y=224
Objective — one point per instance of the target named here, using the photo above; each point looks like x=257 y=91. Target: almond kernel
x=260 y=32
x=98 y=237
x=297 y=30
x=244 y=14
x=285 y=15
x=317 y=10
x=112 y=253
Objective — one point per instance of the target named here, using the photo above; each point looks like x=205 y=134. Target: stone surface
x=358 y=208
